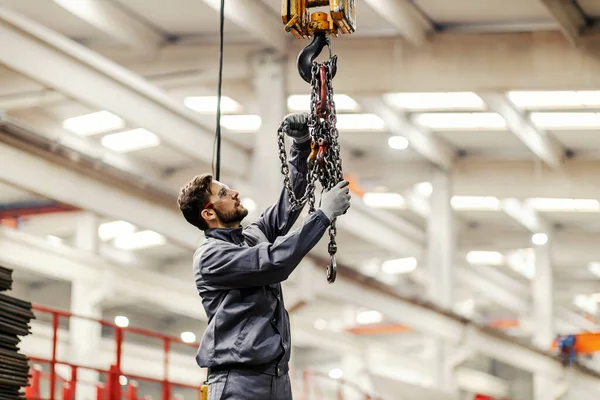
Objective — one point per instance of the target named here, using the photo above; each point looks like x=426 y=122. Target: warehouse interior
x=469 y=131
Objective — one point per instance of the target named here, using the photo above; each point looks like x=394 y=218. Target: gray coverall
x=238 y=275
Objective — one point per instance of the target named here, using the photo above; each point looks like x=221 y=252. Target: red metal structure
x=65 y=389
x=113 y=389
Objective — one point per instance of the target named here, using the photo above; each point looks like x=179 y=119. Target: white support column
x=270 y=83
x=543 y=310
x=85 y=335
x=440 y=254
x=440 y=248
x=542 y=288
x=86 y=232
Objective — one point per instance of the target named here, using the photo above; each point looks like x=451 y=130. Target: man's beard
x=232 y=218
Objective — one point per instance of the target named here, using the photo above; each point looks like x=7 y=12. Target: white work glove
x=296 y=127
x=336 y=201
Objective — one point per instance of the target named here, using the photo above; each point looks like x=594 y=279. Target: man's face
x=226 y=204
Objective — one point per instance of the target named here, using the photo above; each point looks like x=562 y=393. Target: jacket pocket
x=244 y=331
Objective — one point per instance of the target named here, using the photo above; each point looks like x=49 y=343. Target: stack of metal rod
x=15 y=316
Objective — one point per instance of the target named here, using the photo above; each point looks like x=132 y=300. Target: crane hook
x=312 y=51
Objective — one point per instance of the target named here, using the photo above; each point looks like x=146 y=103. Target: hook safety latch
x=332 y=267
x=310 y=53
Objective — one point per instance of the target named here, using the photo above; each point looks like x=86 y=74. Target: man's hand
x=336 y=201
x=296 y=127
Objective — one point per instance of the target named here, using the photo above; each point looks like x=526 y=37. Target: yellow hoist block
x=302 y=24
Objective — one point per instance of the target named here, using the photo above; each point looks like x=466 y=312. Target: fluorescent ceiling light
x=555 y=99
x=475 y=203
x=384 y=200
x=320 y=324
x=455 y=121
x=121 y=321
x=369 y=317
x=399 y=266
x=336 y=373
x=139 y=240
x=90 y=124
x=465 y=308
x=301 y=102
x=566 y=120
x=55 y=240
x=359 y=122
x=435 y=101
x=111 y=230
x=398 y=142
x=241 y=123
x=594 y=268
x=208 y=104
x=188 y=337
x=539 y=239
x=588 y=303
x=485 y=257
x=424 y=189
x=135 y=139
x=565 y=205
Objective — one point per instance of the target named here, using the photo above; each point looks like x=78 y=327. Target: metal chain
x=327 y=168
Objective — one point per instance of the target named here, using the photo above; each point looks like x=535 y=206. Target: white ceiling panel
x=53 y=16
x=482 y=11
x=477 y=140
x=578 y=140
x=179 y=17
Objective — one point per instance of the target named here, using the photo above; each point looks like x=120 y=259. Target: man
x=238 y=273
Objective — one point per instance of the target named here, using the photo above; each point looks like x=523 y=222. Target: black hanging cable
x=217 y=153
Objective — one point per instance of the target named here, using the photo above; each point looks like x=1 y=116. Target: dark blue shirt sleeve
x=225 y=265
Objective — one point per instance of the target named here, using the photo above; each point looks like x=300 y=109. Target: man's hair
x=192 y=199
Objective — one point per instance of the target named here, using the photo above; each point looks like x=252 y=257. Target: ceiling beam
x=424 y=143
x=373 y=66
x=568 y=17
x=22 y=251
x=526 y=215
x=69 y=186
x=113 y=20
x=455 y=331
x=78 y=72
x=257 y=20
x=536 y=140
x=405 y=17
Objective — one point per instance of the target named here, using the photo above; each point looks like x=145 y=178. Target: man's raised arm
x=278 y=219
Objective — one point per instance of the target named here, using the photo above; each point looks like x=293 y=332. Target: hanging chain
x=324 y=162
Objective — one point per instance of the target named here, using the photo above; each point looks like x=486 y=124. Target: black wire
x=217 y=164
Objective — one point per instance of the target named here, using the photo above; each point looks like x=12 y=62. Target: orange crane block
x=587 y=343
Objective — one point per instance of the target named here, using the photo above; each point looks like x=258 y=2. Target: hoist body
x=303 y=24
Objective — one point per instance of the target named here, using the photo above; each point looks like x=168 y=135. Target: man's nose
x=235 y=194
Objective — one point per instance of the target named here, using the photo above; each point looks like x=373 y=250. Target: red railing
x=312 y=382
x=112 y=389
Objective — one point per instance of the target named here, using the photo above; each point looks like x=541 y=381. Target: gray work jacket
x=238 y=275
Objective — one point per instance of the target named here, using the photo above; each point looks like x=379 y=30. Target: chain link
x=322 y=121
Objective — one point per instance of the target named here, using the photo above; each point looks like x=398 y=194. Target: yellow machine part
x=299 y=21
x=204 y=392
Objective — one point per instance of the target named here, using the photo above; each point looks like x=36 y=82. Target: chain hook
x=332 y=249
x=310 y=53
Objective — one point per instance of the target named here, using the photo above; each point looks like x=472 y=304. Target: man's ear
x=208 y=214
